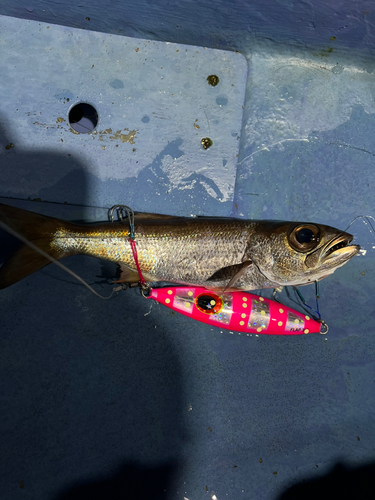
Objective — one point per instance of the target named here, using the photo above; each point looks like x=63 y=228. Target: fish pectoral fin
x=127 y=275
x=231 y=273
x=245 y=265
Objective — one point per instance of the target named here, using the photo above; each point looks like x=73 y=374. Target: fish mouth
x=339 y=249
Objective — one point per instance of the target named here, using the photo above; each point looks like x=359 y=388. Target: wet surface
x=114 y=396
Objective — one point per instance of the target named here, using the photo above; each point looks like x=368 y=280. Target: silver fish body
x=212 y=251
x=201 y=251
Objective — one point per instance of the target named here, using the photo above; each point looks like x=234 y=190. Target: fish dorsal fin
x=220 y=217
x=144 y=215
x=150 y=216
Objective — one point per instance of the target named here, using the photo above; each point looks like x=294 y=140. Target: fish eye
x=305 y=237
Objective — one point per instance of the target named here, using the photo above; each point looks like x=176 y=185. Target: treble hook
x=129 y=214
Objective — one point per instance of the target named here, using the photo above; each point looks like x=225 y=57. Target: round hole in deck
x=83 y=118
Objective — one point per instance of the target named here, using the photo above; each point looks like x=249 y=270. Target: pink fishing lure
x=238 y=311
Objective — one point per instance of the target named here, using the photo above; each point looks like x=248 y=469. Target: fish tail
x=36 y=232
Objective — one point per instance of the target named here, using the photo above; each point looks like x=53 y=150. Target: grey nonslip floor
x=261 y=110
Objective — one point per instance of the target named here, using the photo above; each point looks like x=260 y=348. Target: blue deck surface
x=109 y=399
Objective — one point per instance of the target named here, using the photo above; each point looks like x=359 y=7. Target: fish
x=237 y=311
x=217 y=253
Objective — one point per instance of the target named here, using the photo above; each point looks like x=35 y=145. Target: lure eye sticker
x=208 y=303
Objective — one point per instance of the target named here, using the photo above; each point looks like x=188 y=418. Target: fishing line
x=53 y=260
x=130 y=215
x=366 y=218
x=152 y=303
x=317 y=296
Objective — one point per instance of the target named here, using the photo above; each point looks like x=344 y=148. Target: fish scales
x=221 y=252
x=191 y=252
